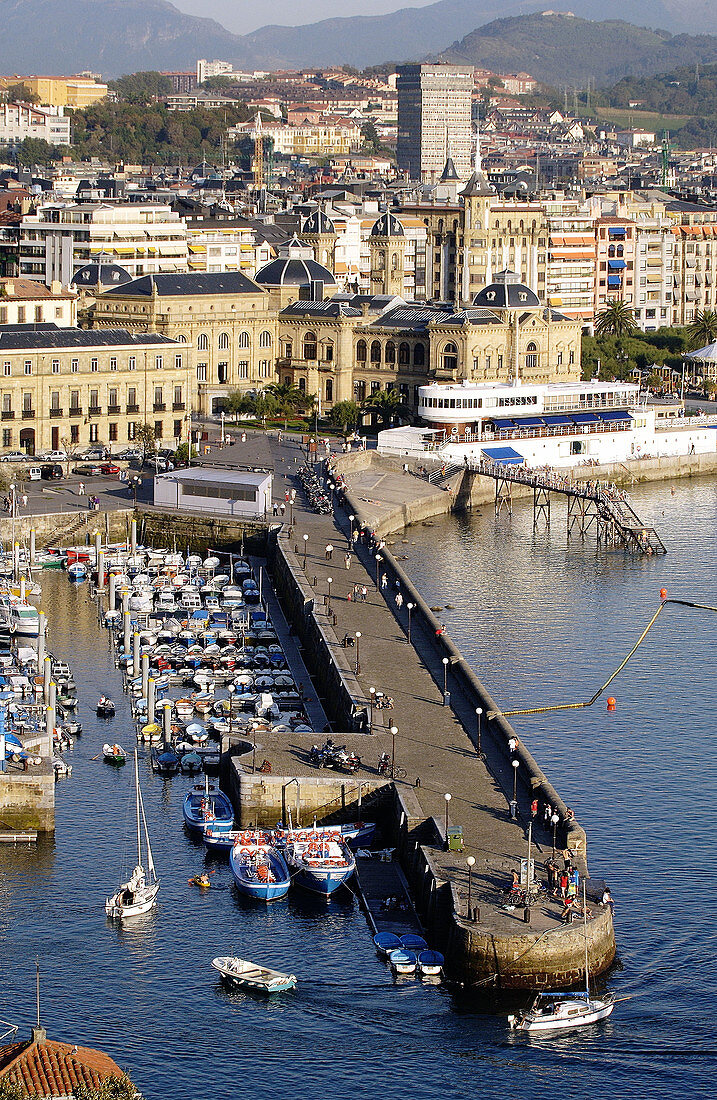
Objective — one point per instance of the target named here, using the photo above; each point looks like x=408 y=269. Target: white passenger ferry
x=558 y=424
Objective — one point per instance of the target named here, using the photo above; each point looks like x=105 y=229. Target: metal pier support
x=503 y=496
x=582 y=515
x=541 y=507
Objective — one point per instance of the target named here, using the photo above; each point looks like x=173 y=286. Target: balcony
x=113 y=410
x=75 y=410
x=95 y=410
x=55 y=412
x=178 y=406
x=133 y=408
x=7 y=414
x=159 y=407
x=28 y=414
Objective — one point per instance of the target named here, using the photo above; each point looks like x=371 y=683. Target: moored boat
x=245 y=974
x=105 y=707
x=403 y=961
x=386 y=942
x=430 y=963
x=207 y=807
x=114 y=754
x=259 y=870
x=320 y=863
x=164 y=760
x=139 y=894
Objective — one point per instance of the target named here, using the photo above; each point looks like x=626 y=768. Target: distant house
x=45 y=1068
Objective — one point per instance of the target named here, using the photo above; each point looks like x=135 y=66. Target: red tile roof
x=53 y=1069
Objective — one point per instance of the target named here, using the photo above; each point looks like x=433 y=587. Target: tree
x=388 y=404
x=289 y=399
x=703 y=330
x=39 y=151
x=147 y=440
x=345 y=416
x=21 y=92
x=112 y=1088
x=141 y=88
x=616 y=319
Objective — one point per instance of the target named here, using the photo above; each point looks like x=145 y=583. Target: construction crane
x=258 y=135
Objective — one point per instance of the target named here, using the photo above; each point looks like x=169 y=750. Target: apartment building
x=695 y=261
x=65 y=388
x=58 y=238
x=60 y=91
x=434 y=119
x=27 y=302
x=21 y=120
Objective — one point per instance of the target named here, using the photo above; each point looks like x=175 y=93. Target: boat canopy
x=614 y=414
x=503 y=456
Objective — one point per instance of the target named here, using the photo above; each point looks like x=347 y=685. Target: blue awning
x=529 y=422
x=616 y=231
x=557 y=420
x=584 y=418
x=614 y=414
x=504 y=456
x=501 y=424
x=616 y=265
x=613 y=280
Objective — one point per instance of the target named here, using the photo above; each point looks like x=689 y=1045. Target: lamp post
x=306 y=543
x=471 y=864
x=231 y=688
x=409 y=609
x=379 y=559
x=516 y=765
x=479 y=712
x=371 y=701
x=358 y=663
x=394 y=731
x=554 y=819
x=448 y=799
x=445 y=681
x=331 y=488
x=329 y=581
x=291 y=512
x=351 y=531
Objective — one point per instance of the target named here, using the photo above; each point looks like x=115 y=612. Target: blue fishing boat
x=191 y=763
x=403 y=961
x=207 y=807
x=165 y=760
x=413 y=942
x=259 y=870
x=220 y=840
x=430 y=963
x=321 y=862
x=386 y=942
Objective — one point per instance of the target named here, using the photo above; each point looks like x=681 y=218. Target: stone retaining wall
x=27 y=799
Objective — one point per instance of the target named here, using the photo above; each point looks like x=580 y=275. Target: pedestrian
x=286 y=496
x=399 y=600
x=329 y=551
x=280 y=435
x=384 y=581
x=347 y=560
x=418 y=781
x=533 y=809
x=282 y=508
x=24 y=500
x=364 y=593
x=567 y=914
x=81 y=489
x=563 y=884
x=275 y=508
x=547 y=813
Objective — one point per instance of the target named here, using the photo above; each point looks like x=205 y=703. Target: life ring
x=245 y=852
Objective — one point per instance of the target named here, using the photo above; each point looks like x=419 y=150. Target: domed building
x=101 y=275
x=507 y=292
x=296 y=274
x=319 y=232
x=387 y=246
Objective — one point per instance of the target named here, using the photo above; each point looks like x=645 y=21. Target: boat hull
x=219 y=816
x=116 y=909
x=249 y=884
x=534 y=1023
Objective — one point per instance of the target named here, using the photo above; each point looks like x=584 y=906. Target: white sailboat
x=552 y=1012
x=139 y=894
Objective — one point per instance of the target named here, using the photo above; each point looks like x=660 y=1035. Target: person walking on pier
x=399 y=600
x=347 y=560
x=364 y=593
x=384 y=581
x=329 y=551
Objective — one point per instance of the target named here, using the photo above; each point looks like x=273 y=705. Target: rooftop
x=31 y=338
x=187 y=285
x=52 y=1069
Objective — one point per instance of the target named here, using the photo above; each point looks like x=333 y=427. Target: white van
x=34 y=474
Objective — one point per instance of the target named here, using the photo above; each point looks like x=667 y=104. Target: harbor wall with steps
x=27 y=799
x=199 y=532
x=68 y=528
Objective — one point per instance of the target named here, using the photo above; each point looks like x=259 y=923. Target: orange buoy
x=663 y=593
x=611 y=704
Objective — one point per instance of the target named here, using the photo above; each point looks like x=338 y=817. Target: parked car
x=15 y=456
x=34 y=473
x=109 y=469
x=53 y=456
x=87 y=469
x=161 y=465
x=95 y=454
x=52 y=471
x=130 y=454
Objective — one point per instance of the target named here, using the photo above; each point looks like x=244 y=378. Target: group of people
x=359 y=593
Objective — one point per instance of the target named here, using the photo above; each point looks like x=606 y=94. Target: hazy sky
x=242 y=16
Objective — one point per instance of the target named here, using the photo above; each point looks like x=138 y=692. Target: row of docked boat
x=409 y=954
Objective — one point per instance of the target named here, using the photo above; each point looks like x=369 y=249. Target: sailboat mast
x=136 y=790
x=150 y=861
x=585 y=935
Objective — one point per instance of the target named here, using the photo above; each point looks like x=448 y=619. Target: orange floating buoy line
x=663 y=593
x=611 y=702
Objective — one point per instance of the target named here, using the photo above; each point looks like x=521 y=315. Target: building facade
x=21 y=120
x=66 y=388
x=434 y=119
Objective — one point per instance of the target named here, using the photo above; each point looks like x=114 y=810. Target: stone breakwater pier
x=439 y=744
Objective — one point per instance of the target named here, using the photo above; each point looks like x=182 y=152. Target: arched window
x=310 y=345
x=390 y=352
x=361 y=351
x=419 y=355
x=329 y=389
x=449 y=358
x=620 y=250
x=611 y=251
x=243 y=340
x=404 y=353
x=376 y=351
x=202 y=342
x=223 y=342
x=265 y=339
x=531 y=356
x=182 y=339
x=302 y=385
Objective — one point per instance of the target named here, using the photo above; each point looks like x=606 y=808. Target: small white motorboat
x=241 y=972
x=403 y=961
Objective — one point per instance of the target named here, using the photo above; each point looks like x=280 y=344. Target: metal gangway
x=594 y=505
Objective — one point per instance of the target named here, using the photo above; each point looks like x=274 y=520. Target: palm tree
x=703 y=330
x=289 y=399
x=388 y=404
x=617 y=319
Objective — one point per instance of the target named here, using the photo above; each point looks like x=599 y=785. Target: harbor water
x=539 y=624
